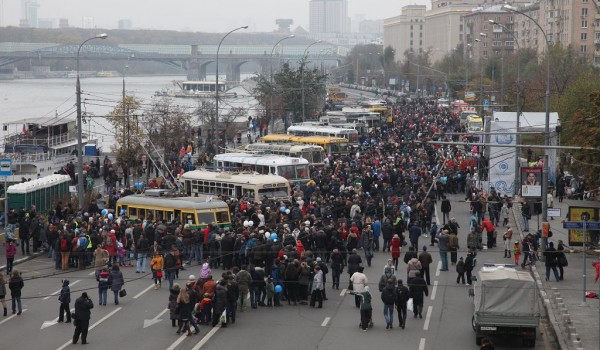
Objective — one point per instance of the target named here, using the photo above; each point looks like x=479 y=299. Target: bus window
x=281 y=192
x=169 y=216
x=286 y=171
x=149 y=214
x=205 y=218
x=249 y=194
x=159 y=215
x=302 y=172
x=222 y=217
x=178 y=214
x=190 y=218
x=121 y=207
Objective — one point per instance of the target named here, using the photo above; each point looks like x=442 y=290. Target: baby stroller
x=370 y=323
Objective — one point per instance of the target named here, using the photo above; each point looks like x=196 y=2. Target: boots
x=5 y=311
x=509 y=252
x=506 y=253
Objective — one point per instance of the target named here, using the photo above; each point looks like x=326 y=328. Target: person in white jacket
x=359 y=282
x=317 y=288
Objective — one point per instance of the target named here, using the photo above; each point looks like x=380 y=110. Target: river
x=30 y=98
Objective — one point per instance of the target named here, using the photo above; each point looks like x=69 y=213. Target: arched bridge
x=193 y=58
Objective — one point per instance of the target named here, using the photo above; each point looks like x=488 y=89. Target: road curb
x=544 y=295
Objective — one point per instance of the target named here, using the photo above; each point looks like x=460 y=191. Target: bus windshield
x=273 y=192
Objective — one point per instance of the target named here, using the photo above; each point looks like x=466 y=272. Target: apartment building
x=405 y=32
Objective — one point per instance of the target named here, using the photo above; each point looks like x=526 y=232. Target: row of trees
x=283 y=94
x=163 y=127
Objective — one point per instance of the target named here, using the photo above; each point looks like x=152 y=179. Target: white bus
x=293 y=169
x=313 y=153
x=318 y=130
x=235 y=185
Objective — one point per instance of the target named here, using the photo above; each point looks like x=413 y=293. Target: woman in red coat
x=396 y=249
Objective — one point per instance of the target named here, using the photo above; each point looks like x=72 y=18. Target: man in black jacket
x=418 y=288
x=83 y=305
x=402 y=296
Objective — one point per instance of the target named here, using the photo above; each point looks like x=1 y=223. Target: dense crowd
x=380 y=197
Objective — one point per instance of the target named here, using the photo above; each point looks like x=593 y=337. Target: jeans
x=553 y=268
x=16 y=302
x=335 y=274
x=388 y=313
x=171 y=277
x=102 y=292
x=116 y=293
x=231 y=309
x=9 y=264
x=402 y=310
x=444 y=259
x=25 y=245
x=142 y=259
x=365 y=317
x=10 y=229
x=525 y=224
x=254 y=295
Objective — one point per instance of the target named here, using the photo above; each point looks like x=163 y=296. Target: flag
x=25 y=131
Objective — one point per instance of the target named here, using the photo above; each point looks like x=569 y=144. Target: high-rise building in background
x=87 y=22
x=124 y=24
x=46 y=23
x=29 y=13
x=63 y=23
x=329 y=16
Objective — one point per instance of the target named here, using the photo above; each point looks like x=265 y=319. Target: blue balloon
x=278 y=289
x=274 y=236
x=459 y=175
x=110 y=216
x=104 y=212
x=282 y=209
x=122 y=212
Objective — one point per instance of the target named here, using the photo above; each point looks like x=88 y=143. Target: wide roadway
x=140 y=320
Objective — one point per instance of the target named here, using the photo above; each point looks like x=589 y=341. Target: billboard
x=531 y=182
x=576 y=236
x=502 y=159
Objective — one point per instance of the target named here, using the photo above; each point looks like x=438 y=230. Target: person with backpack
x=402 y=296
x=388 y=296
x=104 y=283
x=65 y=299
x=82 y=243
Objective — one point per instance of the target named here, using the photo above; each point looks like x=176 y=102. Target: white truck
x=506 y=304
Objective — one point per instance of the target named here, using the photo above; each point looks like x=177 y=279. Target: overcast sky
x=195 y=15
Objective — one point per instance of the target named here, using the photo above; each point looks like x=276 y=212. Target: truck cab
x=474 y=123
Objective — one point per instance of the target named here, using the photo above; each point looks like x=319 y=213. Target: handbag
x=122 y=293
x=159 y=274
x=562 y=261
x=410 y=304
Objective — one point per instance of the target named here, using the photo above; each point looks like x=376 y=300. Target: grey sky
x=195 y=15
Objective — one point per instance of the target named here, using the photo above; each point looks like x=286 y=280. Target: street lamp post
x=271 y=78
x=80 y=184
x=302 y=74
x=518 y=136
x=547 y=123
x=217 y=83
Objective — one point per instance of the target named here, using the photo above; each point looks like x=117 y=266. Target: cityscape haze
x=260 y=15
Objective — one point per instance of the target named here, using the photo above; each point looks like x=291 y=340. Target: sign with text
x=6 y=167
x=531 y=182
x=553 y=213
x=576 y=234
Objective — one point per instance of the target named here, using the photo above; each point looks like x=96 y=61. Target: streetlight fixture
x=518 y=136
x=217 y=83
x=80 y=184
x=271 y=77
x=302 y=74
x=547 y=124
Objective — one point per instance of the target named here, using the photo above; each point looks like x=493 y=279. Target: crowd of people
x=380 y=197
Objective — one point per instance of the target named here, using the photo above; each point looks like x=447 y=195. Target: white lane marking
x=434 y=290
x=155 y=320
x=47 y=324
x=92 y=273
x=70 y=341
x=58 y=291
x=144 y=291
x=206 y=338
x=177 y=342
x=422 y=344
x=325 y=322
x=343 y=292
x=427 y=318
x=10 y=317
x=437 y=270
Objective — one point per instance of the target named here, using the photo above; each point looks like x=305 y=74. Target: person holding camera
x=82 y=316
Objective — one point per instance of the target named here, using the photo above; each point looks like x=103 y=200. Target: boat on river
x=38 y=147
x=197 y=89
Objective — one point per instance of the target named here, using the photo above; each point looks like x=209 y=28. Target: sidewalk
x=574 y=323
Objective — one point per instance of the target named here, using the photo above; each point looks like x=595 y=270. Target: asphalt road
x=140 y=320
